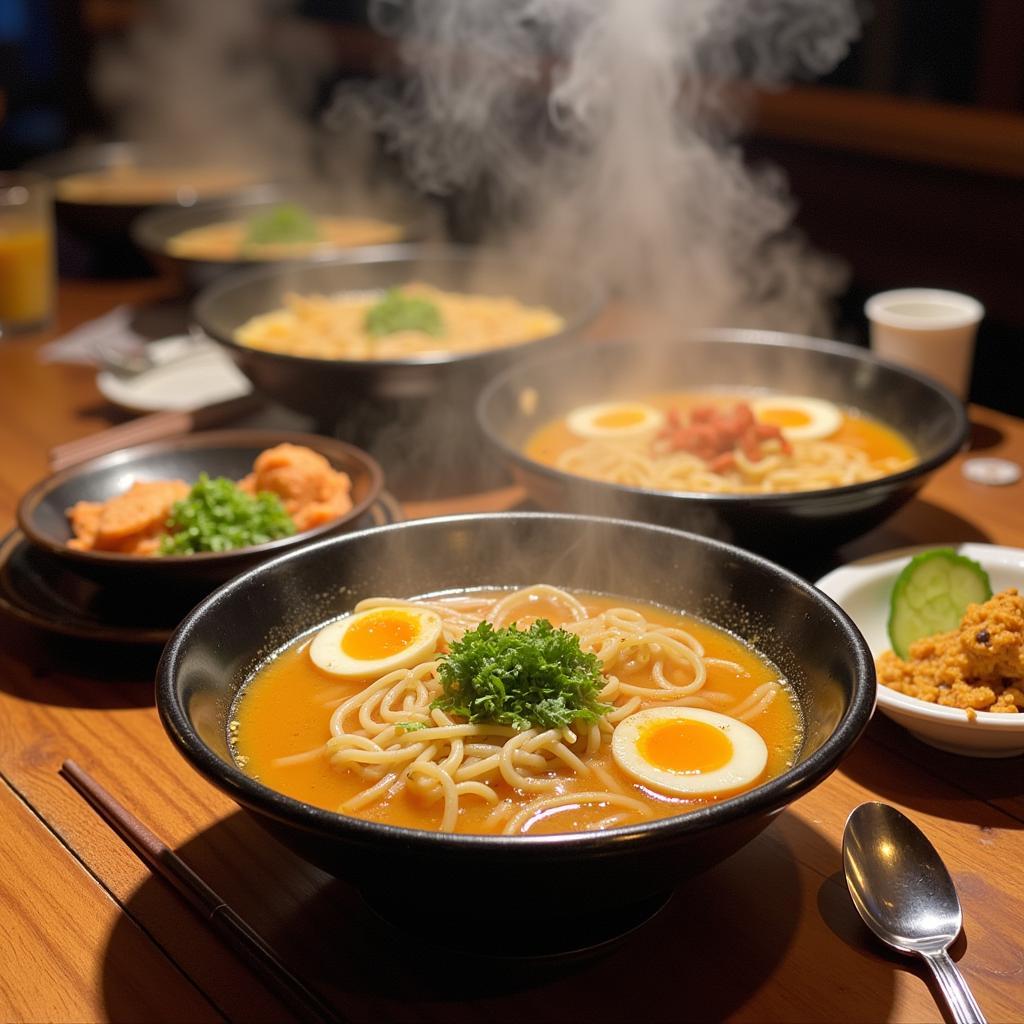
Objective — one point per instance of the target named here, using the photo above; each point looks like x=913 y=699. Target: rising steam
x=603 y=132
x=217 y=80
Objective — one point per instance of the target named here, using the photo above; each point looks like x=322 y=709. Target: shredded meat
x=978 y=667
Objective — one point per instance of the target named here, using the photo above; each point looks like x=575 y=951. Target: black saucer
x=39 y=589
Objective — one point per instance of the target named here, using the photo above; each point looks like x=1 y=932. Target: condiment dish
x=863 y=589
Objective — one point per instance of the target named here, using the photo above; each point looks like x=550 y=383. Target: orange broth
x=286 y=707
x=878 y=441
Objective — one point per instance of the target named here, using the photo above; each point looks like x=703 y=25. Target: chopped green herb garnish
x=398 y=312
x=410 y=726
x=217 y=516
x=521 y=678
x=281 y=225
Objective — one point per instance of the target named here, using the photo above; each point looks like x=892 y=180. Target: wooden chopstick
x=153 y=427
x=164 y=861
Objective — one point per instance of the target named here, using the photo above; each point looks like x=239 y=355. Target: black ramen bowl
x=153 y=230
x=808 y=637
x=409 y=413
x=539 y=390
x=42 y=512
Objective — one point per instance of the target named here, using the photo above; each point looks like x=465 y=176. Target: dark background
x=907 y=161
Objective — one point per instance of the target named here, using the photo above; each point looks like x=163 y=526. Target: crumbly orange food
x=132 y=523
x=310 y=490
x=978 y=667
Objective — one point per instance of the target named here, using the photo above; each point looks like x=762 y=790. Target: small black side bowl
x=42 y=512
x=223 y=640
x=538 y=390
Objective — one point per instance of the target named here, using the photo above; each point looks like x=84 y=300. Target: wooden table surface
x=769 y=935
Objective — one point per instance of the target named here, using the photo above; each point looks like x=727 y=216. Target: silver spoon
x=903 y=892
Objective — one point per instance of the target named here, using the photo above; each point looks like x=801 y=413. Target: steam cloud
x=217 y=80
x=634 y=178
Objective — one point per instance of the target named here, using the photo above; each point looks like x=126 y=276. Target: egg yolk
x=684 y=745
x=615 y=419
x=784 y=417
x=380 y=636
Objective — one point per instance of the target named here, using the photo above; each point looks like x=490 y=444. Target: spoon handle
x=958 y=996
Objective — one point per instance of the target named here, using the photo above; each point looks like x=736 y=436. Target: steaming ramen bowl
x=835 y=380
x=198 y=244
x=595 y=880
x=409 y=411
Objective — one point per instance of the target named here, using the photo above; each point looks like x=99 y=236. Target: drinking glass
x=26 y=252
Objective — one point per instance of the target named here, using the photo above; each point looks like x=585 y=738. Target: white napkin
x=89 y=343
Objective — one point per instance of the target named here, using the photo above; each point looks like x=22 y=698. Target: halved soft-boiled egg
x=609 y=420
x=800 y=419
x=371 y=643
x=689 y=751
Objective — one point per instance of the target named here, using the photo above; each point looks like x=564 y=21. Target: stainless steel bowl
x=413 y=415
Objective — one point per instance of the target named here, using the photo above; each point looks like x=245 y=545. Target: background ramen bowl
x=154 y=230
x=540 y=877
x=43 y=519
x=409 y=413
x=541 y=389
x=863 y=589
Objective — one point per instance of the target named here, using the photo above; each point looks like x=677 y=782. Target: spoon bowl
x=904 y=894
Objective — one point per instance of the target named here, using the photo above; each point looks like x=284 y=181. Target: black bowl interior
x=808 y=637
x=546 y=387
x=42 y=512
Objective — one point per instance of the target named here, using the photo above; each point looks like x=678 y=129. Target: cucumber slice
x=931 y=595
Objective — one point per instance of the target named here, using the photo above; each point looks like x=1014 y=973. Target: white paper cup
x=927 y=329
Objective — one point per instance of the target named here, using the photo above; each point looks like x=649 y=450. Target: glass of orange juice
x=26 y=252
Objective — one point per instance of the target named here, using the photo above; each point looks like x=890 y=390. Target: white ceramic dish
x=863 y=588
x=187 y=375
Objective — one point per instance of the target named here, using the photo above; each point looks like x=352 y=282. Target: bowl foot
x=550 y=938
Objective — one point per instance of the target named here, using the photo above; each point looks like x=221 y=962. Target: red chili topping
x=715 y=435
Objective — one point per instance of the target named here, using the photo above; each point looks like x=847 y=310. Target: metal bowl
x=411 y=414
x=42 y=512
x=538 y=390
x=222 y=641
x=154 y=229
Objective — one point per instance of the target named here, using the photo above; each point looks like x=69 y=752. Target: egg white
x=327 y=654
x=824 y=418
x=583 y=422
x=743 y=769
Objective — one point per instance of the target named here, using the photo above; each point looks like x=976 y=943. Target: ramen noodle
x=377 y=745
x=335 y=327
x=727 y=444
x=227 y=240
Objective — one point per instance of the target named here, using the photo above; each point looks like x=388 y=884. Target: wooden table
x=769 y=935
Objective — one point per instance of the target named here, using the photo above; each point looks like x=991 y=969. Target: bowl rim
x=847 y=579
x=729 y=336
x=394 y=252
x=767 y=798
x=204 y=439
